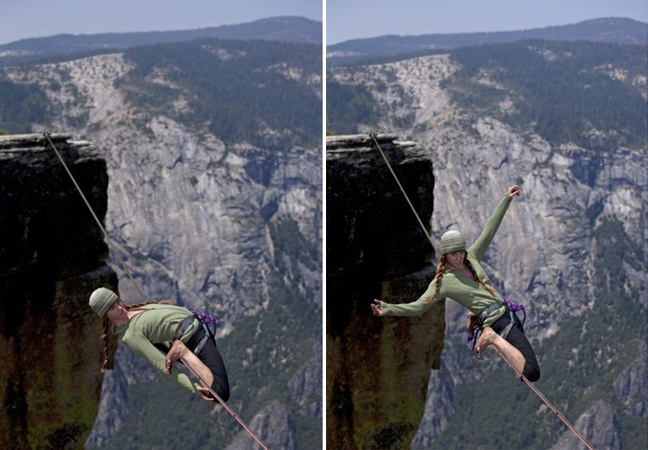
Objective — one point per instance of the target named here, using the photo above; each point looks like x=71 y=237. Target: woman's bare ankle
x=486 y=339
x=176 y=352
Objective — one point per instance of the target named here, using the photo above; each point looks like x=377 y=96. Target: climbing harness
x=207 y=321
x=512 y=307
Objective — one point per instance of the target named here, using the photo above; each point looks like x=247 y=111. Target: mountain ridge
x=618 y=30
x=282 y=28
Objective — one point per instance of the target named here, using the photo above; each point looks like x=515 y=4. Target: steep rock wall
x=52 y=256
x=377 y=368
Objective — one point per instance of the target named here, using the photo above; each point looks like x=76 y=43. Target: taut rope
x=229 y=410
x=101 y=227
x=427 y=234
x=546 y=402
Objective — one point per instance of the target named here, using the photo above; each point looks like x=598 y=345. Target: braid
x=441 y=268
x=439 y=276
x=105 y=337
x=474 y=274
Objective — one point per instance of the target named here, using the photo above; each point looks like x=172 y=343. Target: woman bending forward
x=163 y=334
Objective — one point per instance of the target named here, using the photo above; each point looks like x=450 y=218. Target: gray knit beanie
x=452 y=241
x=102 y=300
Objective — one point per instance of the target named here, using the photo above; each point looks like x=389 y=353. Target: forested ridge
x=22 y=105
x=578 y=92
x=62 y=47
x=264 y=92
x=241 y=89
x=586 y=93
x=367 y=51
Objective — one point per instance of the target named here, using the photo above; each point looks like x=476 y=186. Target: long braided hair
x=105 y=337
x=441 y=268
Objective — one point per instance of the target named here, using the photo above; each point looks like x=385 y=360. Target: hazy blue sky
x=345 y=19
x=351 y=19
x=21 y=19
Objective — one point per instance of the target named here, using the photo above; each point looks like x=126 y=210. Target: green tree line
x=567 y=89
x=21 y=106
x=238 y=88
x=579 y=92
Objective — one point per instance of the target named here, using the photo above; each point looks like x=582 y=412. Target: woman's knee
x=531 y=373
x=222 y=391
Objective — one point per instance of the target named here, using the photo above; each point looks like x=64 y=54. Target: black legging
x=210 y=356
x=518 y=340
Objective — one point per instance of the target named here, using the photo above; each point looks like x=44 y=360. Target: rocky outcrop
x=52 y=256
x=377 y=369
x=274 y=427
x=594 y=425
x=631 y=386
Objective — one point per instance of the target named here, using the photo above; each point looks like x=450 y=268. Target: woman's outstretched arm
x=488 y=233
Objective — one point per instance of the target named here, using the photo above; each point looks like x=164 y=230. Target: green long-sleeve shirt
x=157 y=324
x=457 y=285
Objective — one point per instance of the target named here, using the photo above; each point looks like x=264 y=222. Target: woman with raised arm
x=459 y=276
x=162 y=334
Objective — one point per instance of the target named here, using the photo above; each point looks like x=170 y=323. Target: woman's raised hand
x=513 y=191
x=376 y=307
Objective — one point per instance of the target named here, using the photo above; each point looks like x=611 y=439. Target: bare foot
x=176 y=352
x=486 y=339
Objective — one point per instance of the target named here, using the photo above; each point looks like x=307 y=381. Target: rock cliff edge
x=52 y=256
x=377 y=369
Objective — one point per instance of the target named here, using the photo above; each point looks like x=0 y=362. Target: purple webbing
x=515 y=307
x=204 y=318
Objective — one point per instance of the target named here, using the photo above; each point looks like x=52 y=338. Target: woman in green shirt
x=459 y=276
x=163 y=333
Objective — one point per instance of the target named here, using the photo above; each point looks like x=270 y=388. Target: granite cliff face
x=377 y=368
x=201 y=223
x=52 y=255
x=546 y=251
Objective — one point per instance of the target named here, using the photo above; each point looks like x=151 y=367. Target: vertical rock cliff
x=51 y=257
x=377 y=368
